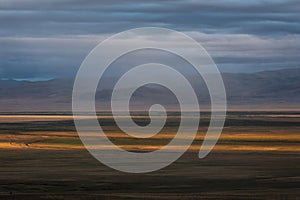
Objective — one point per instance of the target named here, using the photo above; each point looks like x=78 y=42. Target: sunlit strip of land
x=218 y=147
x=254 y=132
x=27 y=118
x=258 y=141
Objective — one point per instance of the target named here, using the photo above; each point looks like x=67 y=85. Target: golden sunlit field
x=257 y=157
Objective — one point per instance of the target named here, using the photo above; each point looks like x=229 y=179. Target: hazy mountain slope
x=270 y=88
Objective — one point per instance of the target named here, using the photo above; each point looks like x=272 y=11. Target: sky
x=43 y=39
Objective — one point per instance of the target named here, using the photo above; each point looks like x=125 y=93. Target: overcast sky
x=50 y=38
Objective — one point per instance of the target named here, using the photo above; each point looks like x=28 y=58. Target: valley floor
x=257 y=157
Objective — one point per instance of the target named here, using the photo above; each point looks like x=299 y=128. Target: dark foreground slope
x=257 y=157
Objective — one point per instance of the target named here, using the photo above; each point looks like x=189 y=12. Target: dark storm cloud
x=48 y=17
x=50 y=38
x=46 y=57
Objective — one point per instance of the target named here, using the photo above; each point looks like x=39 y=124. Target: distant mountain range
x=262 y=90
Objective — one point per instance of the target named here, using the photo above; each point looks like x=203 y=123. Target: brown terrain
x=257 y=157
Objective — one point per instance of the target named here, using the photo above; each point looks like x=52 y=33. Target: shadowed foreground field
x=257 y=157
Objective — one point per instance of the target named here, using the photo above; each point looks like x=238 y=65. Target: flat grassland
x=257 y=157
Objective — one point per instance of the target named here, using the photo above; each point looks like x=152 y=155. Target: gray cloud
x=18 y=17
x=62 y=56
x=50 y=38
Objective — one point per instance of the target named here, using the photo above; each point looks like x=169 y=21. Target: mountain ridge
x=268 y=88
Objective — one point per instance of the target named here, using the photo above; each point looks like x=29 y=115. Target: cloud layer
x=50 y=38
